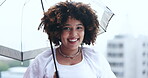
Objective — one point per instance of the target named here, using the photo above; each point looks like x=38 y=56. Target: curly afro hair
x=57 y=15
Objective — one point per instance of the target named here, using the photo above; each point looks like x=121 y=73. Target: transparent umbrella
x=19 y=37
x=19 y=20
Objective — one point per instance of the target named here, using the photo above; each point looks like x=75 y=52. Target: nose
x=73 y=32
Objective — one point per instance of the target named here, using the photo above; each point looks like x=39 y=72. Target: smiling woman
x=56 y=17
x=72 y=34
x=69 y=25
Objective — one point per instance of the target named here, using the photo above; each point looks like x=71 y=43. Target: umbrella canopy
x=19 y=36
x=19 y=20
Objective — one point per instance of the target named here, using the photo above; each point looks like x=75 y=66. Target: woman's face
x=72 y=34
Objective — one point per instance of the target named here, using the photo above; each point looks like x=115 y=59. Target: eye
x=79 y=27
x=66 y=28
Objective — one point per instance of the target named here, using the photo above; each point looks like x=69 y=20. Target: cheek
x=64 y=36
x=82 y=34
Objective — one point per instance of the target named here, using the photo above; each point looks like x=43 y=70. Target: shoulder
x=95 y=56
x=91 y=53
x=43 y=57
x=37 y=66
x=99 y=61
x=44 y=54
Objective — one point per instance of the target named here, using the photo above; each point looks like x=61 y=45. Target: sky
x=130 y=19
x=19 y=18
x=131 y=16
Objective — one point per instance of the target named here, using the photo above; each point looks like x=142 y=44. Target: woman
x=69 y=25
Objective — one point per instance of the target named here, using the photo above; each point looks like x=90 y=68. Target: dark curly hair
x=57 y=15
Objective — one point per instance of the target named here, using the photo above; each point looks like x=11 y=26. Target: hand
x=54 y=75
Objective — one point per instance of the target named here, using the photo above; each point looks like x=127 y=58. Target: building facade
x=128 y=56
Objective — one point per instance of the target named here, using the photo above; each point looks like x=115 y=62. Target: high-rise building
x=128 y=56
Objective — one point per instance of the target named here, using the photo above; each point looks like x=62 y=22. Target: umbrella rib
x=21 y=43
x=42 y=6
x=2 y=3
x=103 y=28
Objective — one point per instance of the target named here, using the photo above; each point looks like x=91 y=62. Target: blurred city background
x=125 y=44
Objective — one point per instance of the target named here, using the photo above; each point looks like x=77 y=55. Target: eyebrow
x=70 y=25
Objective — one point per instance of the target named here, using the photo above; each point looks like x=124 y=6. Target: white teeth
x=73 y=40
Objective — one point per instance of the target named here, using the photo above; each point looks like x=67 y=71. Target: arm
x=33 y=71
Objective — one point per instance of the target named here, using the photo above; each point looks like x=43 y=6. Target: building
x=128 y=56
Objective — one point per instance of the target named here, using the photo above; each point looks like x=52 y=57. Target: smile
x=73 y=40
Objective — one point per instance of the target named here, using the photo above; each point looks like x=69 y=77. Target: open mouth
x=73 y=39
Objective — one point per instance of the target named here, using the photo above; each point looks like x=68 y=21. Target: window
x=143 y=44
x=111 y=45
x=115 y=45
x=119 y=74
x=120 y=45
x=143 y=72
x=144 y=54
x=116 y=64
x=144 y=62
x=115 y=54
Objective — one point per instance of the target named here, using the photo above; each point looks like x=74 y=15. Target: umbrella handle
x=57 y=74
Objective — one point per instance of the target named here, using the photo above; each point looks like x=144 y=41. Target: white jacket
x=93 y=65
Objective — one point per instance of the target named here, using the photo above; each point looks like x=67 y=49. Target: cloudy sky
x=19 y=18
x=130 y=18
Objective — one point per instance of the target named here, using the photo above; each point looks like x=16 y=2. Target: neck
x=68 y=59
x=67 y=51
